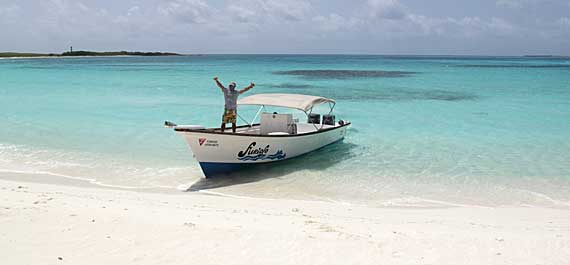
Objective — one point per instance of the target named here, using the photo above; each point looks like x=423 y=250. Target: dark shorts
x=229 y=116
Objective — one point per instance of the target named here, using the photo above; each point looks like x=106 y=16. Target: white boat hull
x=223 y=153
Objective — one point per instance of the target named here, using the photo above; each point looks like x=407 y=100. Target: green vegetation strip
x=85 y=53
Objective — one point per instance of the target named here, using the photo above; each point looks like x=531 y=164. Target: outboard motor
x=328 y=119
x=170 y=124
x=314 y=118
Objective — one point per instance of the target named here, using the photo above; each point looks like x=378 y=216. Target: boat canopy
x=294 y=101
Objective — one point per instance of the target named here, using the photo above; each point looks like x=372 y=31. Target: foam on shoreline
x=34 y=176
x=406 y=202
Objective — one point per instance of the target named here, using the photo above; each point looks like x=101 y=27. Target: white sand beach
x=66 y=224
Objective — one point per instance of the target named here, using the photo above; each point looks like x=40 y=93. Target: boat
x=276 y=137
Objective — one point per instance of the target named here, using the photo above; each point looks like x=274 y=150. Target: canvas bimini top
x=294 y=101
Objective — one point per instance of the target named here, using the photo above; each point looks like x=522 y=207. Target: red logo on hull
x=201 y=141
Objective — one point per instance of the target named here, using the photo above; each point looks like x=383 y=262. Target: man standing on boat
x=231 y=96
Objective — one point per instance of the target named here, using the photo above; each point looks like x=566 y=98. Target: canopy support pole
x=244 y=120
x=256 y=114
x=331 y=105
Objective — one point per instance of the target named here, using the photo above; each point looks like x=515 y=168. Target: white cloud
x=233 y=18
x=563 y=21
x=464 y=27
x=249 y=11
x=519 y=4
x=241 y=14
x=335 y=22
x=187 y=11
x=509 y=3
x=500 y=26
x=135 y=22
x=242 y=17
x=387 y=9
x=86 y=26
x=476 y=26
x=428 y=25
x=293 y=10
x=9 y=13
x=71 y=17
x=272 y=25
x=413 y=25
x=133 y=10
x=82 y=7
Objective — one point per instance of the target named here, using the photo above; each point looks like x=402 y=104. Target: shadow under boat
x=320 y=159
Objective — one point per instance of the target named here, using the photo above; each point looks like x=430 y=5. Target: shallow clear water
x=426 y=130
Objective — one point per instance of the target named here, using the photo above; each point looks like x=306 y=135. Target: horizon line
x=325 y=54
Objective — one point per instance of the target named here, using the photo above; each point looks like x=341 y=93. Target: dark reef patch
x=345 y=74
x=404 y=94
x=530 y=66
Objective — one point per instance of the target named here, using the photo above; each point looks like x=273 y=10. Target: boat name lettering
x=251 y=151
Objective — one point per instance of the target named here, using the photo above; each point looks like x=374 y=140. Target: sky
x=422 y=27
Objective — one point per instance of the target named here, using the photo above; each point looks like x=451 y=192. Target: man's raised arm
x=219 y=84
x=245 y=89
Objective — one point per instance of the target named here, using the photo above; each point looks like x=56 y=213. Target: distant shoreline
x=79 y=54
x=15 y=55
x=76 y=57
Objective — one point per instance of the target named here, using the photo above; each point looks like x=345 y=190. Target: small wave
x=96 y=169
x=547 y=198
x=88 y=180
x=227 y=195
x=408 y=202
x=418 y=202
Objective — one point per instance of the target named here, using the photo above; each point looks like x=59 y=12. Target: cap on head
x=233 y=84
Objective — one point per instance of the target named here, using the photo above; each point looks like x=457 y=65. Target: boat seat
x=278 y=133
x=273 y=122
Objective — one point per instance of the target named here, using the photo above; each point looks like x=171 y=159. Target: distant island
x=85 y=53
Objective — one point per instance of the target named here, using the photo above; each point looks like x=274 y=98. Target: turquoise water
x=426 y=130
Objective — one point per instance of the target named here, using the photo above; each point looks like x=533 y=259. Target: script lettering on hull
x=253 y=153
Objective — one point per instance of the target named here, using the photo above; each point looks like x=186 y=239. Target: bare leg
x=223 y=127
x=234 y=127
